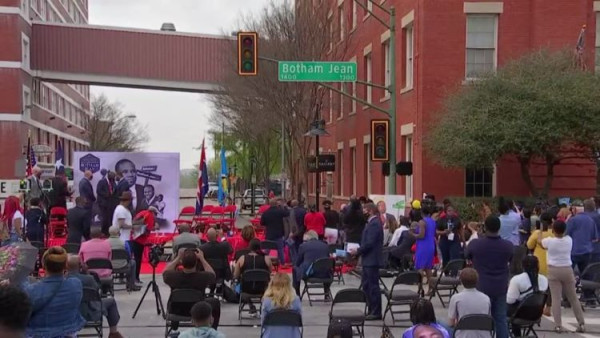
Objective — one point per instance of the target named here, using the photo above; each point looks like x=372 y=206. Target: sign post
x=317 y=71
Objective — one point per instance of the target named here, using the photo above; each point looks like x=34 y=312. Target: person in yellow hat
x=415 y=211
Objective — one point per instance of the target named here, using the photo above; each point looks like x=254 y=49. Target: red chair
x=188 y=212
x=217 y=216
x=230 y=213
x=256 y=220
x=203 y=217
x=58 y=222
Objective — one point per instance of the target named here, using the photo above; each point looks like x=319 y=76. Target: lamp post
x=252 y=183
x=317 y=129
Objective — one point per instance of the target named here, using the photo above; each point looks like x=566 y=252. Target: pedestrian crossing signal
x=247 y=53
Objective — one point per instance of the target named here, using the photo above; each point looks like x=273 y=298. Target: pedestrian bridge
x=124 y=57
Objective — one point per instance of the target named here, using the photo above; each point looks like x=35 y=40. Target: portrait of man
x=127 y=168
x=150 y=199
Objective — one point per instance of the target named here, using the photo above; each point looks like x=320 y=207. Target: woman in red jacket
x=315 y=220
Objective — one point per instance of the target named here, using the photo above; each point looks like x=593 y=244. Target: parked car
x=260 y=198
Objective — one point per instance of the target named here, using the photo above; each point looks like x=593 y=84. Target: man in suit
x=127 y=169
x=106 y=190
x=59 y=193
x=310 y=251
x=297 y=228
x=86 y=190
x=370 y=249
x=272 y=220
x=122 y=186
x=35 y=185
x=79 y=221
x=388 y=220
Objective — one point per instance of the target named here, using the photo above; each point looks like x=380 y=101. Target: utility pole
x=282 y=180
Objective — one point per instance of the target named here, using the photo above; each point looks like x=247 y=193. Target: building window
x=481 y=44
x=408 y=157
x=353 y=101
x=341 y=21
x=386 y=67
x=26 y=98
x=43 y=9
x=409 y=61
x=369 y=76
x=369 y=7
x=478 y=182
x=340 y=173
x=353 y=170
x=367 y=168
x=597 y=42
x=331 y=30
x=330 y=105
x=25 y=51
x=353 y=13
x=25 y=8
x=341 y=102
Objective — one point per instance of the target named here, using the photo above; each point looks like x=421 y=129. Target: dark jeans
x=581 y=262
x=297 y=280
x=499 y=309
x=215 y=304
x=106 y=219
x=370 y=280
x=138 y=250
x=450 y=250
x=280 y=254
x=110 y=311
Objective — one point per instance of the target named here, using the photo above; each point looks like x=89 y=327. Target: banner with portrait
x=153 y=179
x=395 y=204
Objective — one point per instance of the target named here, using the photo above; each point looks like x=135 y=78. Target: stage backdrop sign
x=395 y=204
x=153 y=178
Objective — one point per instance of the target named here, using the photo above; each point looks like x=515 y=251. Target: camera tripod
x=159 y=305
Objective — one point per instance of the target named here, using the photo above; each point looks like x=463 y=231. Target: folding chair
x=590 y=281
x=240 y=253
x=91 y=298
x=447 y=280
x=178 y=308
x=529 y=312
x=229 y=216
x=58 y=222
x=268 y=246
x=106 y=282
x=186 y=216
x=220 y=267
x=252 y=286
x=322 y=273
x=475 y=323
x=403 y=297
x=516 y=265
x=338 y=269
x=38 y=263
x=121 y=268
x=356 y=316
x=71 y=248
x=282 y=317
x=217 y=216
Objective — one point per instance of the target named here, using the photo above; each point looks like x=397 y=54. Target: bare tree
x=255 y=108
x=110 y=129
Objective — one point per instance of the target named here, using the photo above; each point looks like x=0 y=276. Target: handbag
x=386 y=332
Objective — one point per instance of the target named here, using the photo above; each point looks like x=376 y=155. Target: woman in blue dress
x=424 y=232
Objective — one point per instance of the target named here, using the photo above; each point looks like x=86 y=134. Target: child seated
x=202 y=319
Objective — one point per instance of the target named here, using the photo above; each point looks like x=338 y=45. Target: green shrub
x=470 y=209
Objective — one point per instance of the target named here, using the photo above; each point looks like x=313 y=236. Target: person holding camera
x=191 y=277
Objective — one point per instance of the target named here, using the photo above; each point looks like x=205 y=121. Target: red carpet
x=147 y=268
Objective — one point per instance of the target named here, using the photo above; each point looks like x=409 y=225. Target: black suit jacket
x=60 y=192
x=87 y=191
x=78 y=221
x=308 y=253
x=272 y=220
x=371 y=244
x=218 y=252
x=105 y=198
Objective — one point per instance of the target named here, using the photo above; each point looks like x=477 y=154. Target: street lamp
x=317 y=129
x=252 y=183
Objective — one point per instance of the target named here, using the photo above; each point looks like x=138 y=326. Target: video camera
x=156 y=251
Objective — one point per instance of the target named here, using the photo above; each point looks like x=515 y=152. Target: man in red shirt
x=143 y=222
x=315 y=220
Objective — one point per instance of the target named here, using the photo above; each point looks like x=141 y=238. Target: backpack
x=339 y=328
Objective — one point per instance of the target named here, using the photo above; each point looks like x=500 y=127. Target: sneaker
x=373 y=317
x=115 y=335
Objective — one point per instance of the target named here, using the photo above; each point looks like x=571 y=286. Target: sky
x=163 y=111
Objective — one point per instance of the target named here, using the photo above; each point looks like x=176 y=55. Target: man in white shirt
x=469 y=301
x=122 y=216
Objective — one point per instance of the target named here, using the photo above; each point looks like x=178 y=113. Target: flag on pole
x=29 y=164
x=59 y=165
x=223 y=180
x=580 y=47
x=202 y=182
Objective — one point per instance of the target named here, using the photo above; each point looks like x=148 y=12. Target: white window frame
x=597 y=60
x=25 y=9
x=353 y=102
x=341 y=22
x=369 y=8
x=353 y=164
x=367 y=147
x=330 y=106
x=340 y=160
x=25 y=52
x=410 y=60
x=341 y=102
x=331 y=30
x=27 y=101
x=387 y=76
x=354 y=14
x=408 y=156
x=495 y=63
x=369 y=76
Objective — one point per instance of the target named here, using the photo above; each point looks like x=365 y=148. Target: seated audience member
x=248 y=234
x=55 y=299
x=15 y=309
x=310 y=251
x=280 y=295
x=79 y=222
x=401 y=254
x=97 y=247
x=404 y=226
x=192 y=278
x=469 y=301
x=256 y=259
x=202 y=320
x=116 y=243
x=35 y=220
x=424 y=322
x=185 y=237
x=217 y=253
x=91 y=310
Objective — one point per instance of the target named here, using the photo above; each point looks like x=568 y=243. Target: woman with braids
x=522 y=285
x=55 y=299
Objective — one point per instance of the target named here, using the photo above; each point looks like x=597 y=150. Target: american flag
x=580 y=47
x=202 y=182
x=31 y=161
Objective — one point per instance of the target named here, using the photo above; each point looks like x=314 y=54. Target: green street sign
x=319 y=71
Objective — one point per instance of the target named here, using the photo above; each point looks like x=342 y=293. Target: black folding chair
x=268 y=246
x=252 y=286
x=529 y=312
x=475 y=323
x=106 y=283
x=38 y=263
x=282 y=317
x=179 y=306
x=338 y=269
x=448 y=280
x=221 y=267
x=71 y=248
x=93 y=317
x=356 y=316
x=403 y=297
x=590 y=281
x=516 y=264
x=121 y=268
x=321 y=274
x=240 y=253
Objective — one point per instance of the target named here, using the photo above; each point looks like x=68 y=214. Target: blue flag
x=202 y=182
x=223 y=179
x=59 y=165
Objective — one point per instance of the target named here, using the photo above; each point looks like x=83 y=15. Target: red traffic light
x=247 y=53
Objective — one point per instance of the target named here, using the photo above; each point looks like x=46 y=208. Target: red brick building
x=441 y=45
x=49 y=111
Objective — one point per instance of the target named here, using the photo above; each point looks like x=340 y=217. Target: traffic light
x=380 y=136
x=247 y=53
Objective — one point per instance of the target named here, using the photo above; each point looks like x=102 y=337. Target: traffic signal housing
x=247 y=53
x=380 y=140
